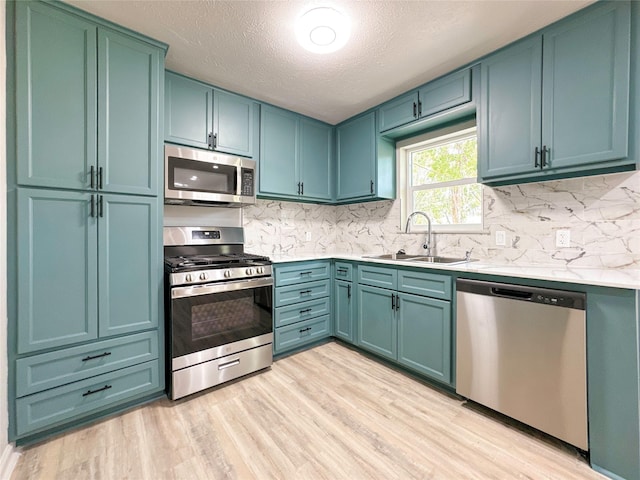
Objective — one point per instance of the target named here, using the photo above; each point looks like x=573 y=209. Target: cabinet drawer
x=301 y=272
x=343 y=271
x=427 y=284
x=301 y=333
x=53 y=369
x=301 y=292
x=48 y=408
x=301 y=311
x=378 y=276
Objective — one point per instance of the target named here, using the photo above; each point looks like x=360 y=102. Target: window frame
x=433 y=138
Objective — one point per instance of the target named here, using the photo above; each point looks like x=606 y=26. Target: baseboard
x=8 y=461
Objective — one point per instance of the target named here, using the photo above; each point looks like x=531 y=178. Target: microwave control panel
x=247 y=182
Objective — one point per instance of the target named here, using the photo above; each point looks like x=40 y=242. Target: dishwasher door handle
x=508 y=293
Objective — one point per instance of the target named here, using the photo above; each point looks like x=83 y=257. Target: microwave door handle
x=210 y=288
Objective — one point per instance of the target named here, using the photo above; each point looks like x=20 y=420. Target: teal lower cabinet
x=301 y=333
x=68 y=385
x=424 y=335
x=302 y=304
x=377 y=325
x=51 y=407
x=343 y=308
x=344 y=302
x=400 y=325
x=612 y=381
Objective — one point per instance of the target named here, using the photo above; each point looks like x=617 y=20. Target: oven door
x=209 y=321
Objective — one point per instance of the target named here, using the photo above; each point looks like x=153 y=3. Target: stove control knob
x=189 y=277
x=249 y=271
x=227 y=273
x=203 y=276
x=260 y=270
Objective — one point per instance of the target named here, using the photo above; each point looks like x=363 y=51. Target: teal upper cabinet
x=558 y=103
x=128 y=235
x=365 y=161
x=56 y=97
x=295 y=156
x=57 y=234
x=510 y=107
x=585 y=84
x=200 y=116
x=89 y=237
x=316 y=153
x=232 y=123
x=87 y=104
x=437 y=96
x=399 y=111
x=129 y=76
x=278 y=167
x=187 y=111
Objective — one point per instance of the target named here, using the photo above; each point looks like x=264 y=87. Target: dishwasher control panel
x=559 y=301
x=523 y=293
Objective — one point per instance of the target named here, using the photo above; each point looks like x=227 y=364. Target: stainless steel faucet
x=429 y=239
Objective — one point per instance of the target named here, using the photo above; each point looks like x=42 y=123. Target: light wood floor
x=327 y=413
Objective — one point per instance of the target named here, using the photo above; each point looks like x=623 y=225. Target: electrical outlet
x=563 y=238
x=307 y=236
x=501 y=238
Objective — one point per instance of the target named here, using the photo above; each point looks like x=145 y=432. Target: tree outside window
x=441 y=181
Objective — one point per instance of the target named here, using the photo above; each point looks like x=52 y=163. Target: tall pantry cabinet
x=85 y=219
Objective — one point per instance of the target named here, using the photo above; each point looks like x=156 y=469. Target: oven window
x=208 y=321
x=198 y=176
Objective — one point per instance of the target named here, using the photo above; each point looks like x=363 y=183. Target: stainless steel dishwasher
x=522 y=351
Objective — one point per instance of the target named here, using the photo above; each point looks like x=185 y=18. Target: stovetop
x=188 y=263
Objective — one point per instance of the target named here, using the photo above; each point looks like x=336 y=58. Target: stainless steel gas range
x=218 y=308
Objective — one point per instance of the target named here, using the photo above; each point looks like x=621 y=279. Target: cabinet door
x=129 y=264
x=398 y=112
x=315 y=159
x=187 y=111
x=445 y=93
x=233 y=123
x=377 y=328
x=585 y=102
x=510 y=117
x=278 y=168
x=424 y=335
x=56 y=89
x=128 y=108
x=356 y=157
x=343 y=310
x=57 y=269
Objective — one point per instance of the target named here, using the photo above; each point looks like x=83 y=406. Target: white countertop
x=603 y=277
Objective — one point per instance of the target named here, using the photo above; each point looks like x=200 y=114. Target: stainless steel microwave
x=201 y=177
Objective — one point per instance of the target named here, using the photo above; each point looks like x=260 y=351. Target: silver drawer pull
x=232 y=363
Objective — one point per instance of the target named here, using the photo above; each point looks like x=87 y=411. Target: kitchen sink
x=393 y=256
x=418 y=258
x=447 y=260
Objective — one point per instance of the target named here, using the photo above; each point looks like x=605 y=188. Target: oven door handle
x=196 y=290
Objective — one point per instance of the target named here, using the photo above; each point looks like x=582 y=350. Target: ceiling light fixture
x=323 y=30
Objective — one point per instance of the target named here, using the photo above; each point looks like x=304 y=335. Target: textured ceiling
x=249 y=47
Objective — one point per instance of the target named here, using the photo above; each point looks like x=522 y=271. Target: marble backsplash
x=601 y=212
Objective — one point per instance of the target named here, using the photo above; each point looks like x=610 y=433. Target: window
x=439 y=178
